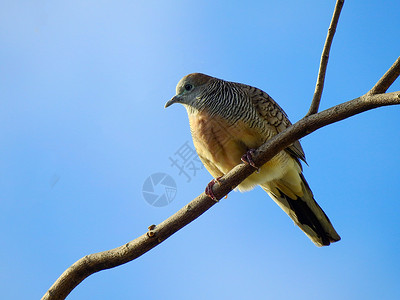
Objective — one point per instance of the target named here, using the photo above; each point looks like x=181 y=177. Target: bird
x=228 y=121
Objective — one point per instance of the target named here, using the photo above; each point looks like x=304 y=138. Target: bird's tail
x=303 y=209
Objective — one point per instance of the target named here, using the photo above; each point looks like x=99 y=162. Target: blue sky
x=83 y=86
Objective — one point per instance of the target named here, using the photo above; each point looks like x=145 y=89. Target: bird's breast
x=221 y=145
x=221 y=142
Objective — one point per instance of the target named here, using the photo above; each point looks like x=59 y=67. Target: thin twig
x=157 y=234
x=387 y=79
x=324 y=59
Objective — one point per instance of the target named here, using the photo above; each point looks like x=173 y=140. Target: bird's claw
x=209 y=191
x=247 y=158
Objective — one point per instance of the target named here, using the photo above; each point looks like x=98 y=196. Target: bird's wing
x=275 y=116
x=291 y=191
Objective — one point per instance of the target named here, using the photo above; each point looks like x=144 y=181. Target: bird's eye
x=188 y=86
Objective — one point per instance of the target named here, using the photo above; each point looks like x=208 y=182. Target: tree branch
x=387 y=79
x=157 y=234
x=324 y=59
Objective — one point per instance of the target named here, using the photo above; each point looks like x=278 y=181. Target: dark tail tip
x=306 y=217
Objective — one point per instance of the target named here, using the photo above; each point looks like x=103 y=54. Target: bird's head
x=188 y=90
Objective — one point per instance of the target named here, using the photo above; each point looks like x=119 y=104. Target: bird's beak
x=173 y=100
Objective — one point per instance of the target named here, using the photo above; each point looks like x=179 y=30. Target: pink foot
x=209 y=191
x=247 y=158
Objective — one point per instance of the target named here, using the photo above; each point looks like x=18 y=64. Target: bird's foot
x=209 y=191
x=247 y=158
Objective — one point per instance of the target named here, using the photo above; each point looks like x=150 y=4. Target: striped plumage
x=228 y=119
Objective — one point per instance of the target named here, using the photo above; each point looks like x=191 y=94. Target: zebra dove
x=228 y=121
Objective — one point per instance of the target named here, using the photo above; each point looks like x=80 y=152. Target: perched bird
x=228 y=121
